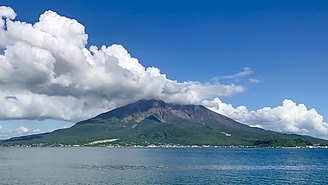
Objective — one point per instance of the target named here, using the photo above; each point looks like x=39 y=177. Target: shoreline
x=152 y=146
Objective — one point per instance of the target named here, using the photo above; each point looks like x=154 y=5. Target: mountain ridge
x=162 y=110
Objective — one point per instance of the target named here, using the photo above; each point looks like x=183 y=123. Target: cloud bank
x=47 y=72
x=287 y=118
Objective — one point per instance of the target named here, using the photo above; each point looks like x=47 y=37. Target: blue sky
x=283 y=43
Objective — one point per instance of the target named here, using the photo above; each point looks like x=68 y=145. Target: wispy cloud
x=246 y=72
x=254 y=80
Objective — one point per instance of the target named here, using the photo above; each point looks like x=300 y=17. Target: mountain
x=157 y=122
x=163 y=112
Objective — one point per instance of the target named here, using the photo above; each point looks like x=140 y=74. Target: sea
x=100 y=165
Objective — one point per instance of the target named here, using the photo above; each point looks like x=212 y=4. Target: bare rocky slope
x=161 y=111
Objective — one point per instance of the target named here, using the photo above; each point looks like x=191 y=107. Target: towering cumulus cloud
x=46 y=71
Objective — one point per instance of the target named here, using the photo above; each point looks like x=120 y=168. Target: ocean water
x=162 y=166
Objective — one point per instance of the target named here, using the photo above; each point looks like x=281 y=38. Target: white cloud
x=254 y=80
x=288 y=118
x=7 y=12
x=20 y=131
x=46 y=71
x=246 y=72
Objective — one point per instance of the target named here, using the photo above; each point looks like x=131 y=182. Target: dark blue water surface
x=162 y=166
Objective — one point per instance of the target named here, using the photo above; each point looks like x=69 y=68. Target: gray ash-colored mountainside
x=161 y=111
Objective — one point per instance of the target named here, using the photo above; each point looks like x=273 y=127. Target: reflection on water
x=162 y=166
